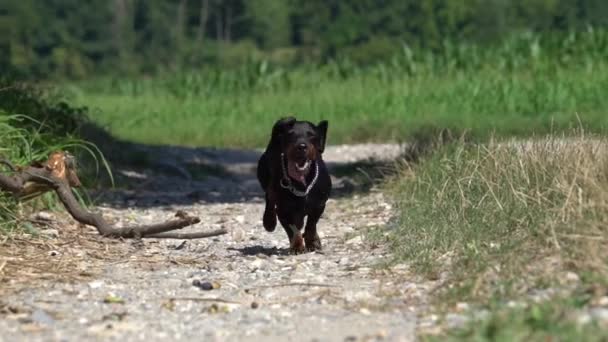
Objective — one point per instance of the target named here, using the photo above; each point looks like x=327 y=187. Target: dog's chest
x=291 y=203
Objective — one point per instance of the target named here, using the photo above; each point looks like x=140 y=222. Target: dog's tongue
x=296 y=174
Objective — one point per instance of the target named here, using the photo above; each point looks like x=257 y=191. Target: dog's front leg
x=270 y=213
x=311 y=237
x=293 y=227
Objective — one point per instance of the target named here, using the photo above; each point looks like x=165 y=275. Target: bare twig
x=319 y=293
x=204 y=299
x=58 y=173
x=198 y=235
x=8 y=164
x=583 y=237
x=293 y=284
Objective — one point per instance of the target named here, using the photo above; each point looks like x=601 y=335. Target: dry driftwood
x=58 y=174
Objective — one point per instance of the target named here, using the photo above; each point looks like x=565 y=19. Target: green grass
x=551 y=321
x=364 y=108
x=500 y=219
x=505 y=213
x=32 y=124
x=524 y=85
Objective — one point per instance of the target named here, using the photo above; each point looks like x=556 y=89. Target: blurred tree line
x=78 y=38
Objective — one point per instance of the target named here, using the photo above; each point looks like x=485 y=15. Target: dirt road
x=143 y=290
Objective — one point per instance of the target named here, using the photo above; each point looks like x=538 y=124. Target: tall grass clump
x=506 y=216
x=34 y=123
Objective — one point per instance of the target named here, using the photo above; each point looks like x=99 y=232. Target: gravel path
x=145 y=292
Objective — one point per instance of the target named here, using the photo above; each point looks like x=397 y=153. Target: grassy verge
x=529 y=84
x=504 y=219
x=547 y=321
x=364 y=108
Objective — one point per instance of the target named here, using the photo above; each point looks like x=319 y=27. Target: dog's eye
x=310 y=134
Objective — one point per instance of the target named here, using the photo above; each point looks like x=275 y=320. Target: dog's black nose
x=302 y=147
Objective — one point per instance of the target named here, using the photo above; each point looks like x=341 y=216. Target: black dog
x=295 y=179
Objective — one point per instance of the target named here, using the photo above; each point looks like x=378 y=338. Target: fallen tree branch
x=58 y=173
x=198 y=235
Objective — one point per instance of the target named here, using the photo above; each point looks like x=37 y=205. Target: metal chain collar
x=286 y=183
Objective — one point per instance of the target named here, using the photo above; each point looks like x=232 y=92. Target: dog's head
x=301 y=142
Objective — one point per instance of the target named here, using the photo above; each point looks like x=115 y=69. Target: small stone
x=52 y=233
x=455 y=320
x=41 y=317
x=44 y=216
x=205 y=285
x=53 y=253
x=460 y=307
x=238 y=234
x=432 y=318
x=515 y=305
x=181 y=245
x=96 y=284
x=227 y=308
x=599 y=314
x=602 y=301
x=325 y=264
x=382 y=334
x=256 y=264
x=365 y=311
x=349 y=229
x=255 y=305
x=113 y=299
x=572 y=277
x=364 y=269
x=286 y=314
x=357 y=240
x=400 y=267
x=214 y=308
x=481 y=315
x=583 y=318
x=240 y=219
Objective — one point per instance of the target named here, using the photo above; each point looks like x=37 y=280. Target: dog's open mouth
x=298 y=170
x=302 y=166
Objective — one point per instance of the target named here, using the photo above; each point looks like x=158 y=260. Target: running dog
x=295 y=180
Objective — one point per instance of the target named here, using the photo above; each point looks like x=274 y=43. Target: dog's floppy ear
x=279 y=128
x=322 y=132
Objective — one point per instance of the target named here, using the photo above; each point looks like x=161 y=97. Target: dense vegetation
x=529 y=83
x=75 y=38
x=505 y=221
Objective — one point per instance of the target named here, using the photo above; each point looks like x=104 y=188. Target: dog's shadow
x=259 y=249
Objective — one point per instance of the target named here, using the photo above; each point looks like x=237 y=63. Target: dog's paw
x=270 y=221
x=313 y=243
x=297 y=244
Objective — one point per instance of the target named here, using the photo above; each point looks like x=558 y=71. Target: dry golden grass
x=507 y=215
